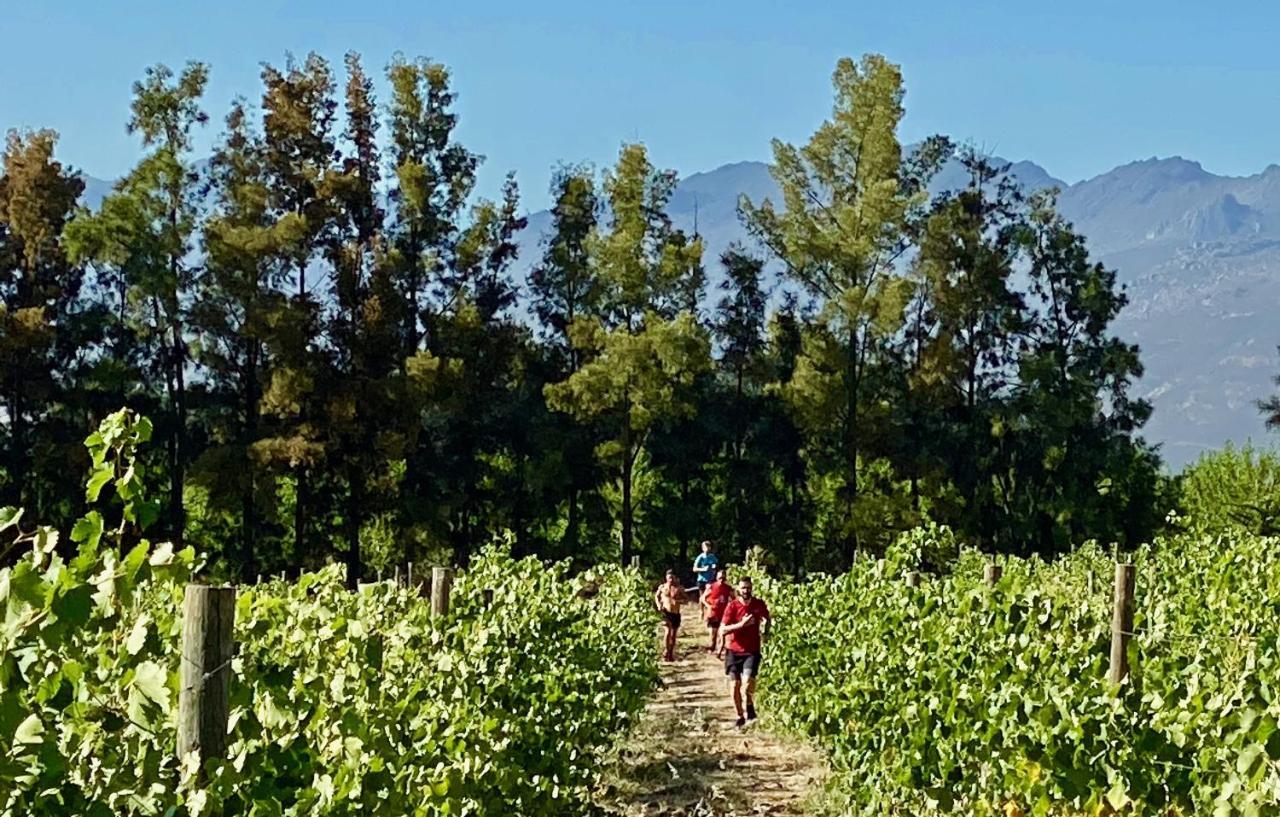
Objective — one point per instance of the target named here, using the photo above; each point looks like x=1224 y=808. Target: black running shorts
x=738 y=664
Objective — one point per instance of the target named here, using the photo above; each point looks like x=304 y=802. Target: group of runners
x=738 y=622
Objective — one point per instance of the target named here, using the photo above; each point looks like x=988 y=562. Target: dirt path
x=686 y=757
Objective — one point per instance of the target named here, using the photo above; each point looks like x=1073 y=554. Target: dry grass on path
x=686 y=756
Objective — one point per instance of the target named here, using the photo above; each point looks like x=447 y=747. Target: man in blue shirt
x=704 y=567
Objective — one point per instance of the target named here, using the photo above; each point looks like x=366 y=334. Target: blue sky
x=1079 y=88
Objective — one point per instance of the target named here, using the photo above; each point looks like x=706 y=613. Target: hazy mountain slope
x=1200 y=256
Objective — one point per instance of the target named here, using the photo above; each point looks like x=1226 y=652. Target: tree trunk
x=177 y=505
x=354 y=510
x=412 y=325
x=569 y=542
x=684 y=534
x=248 y=503
x=177 y=355
x=411 y=463
x=627 y=545
x=797 y=539
x=852 y=387
x=18 y=433
x=517 y=512
x=302 y=495
x=739 y=444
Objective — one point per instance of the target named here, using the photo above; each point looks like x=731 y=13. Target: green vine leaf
x=88 y=530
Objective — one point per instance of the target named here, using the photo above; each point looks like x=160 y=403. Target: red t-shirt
x=748 y=638
x=717 y=599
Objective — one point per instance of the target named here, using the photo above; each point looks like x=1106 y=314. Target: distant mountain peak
x=1172 y=168
x=730 y=167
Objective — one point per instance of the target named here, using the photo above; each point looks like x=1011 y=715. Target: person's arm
x=733 y=628
x=730 y=624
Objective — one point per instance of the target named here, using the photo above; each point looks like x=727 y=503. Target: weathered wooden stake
x=1121 y=622
x=635 y=562
x=913 y=579
x=441 y=581
x=397 y=575
x=208 y=622
x=992 y=573
x=409 y=576
x=1088 y=585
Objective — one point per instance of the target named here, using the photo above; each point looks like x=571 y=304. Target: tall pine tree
x=147 y=227
x=39 y=287
x=643 y=350
x=848 y=198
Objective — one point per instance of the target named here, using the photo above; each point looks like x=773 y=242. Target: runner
x=741 y=629
x=704 y=567
x=668 y=598
x=714 y=601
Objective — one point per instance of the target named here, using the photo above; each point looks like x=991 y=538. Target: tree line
x=322 y=322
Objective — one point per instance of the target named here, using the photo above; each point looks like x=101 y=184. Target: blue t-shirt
x=705 y=566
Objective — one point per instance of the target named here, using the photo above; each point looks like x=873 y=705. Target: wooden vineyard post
x=1121 y=622
x=913 y=579
x=208 y=621
x=635 y=562
x=441 y=581
x=992 y=573
x=409 y=580
x=397 y=575
x=1088 y=587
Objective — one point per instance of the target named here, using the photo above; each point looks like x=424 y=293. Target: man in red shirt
x=714 y=602
x=746 y=620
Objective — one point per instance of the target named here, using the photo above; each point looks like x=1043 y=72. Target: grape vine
x=342 y=703
x=958 y=698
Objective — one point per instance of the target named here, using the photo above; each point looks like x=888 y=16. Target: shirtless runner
x=668 y=598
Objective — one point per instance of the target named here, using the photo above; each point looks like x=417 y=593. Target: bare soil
x=687 y=757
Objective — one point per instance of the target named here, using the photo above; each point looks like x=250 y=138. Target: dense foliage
x=322 y=320
x=1233 y=488
x=342 y=702
x=959 y=698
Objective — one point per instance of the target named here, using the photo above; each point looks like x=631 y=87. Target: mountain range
x=1198 y=254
